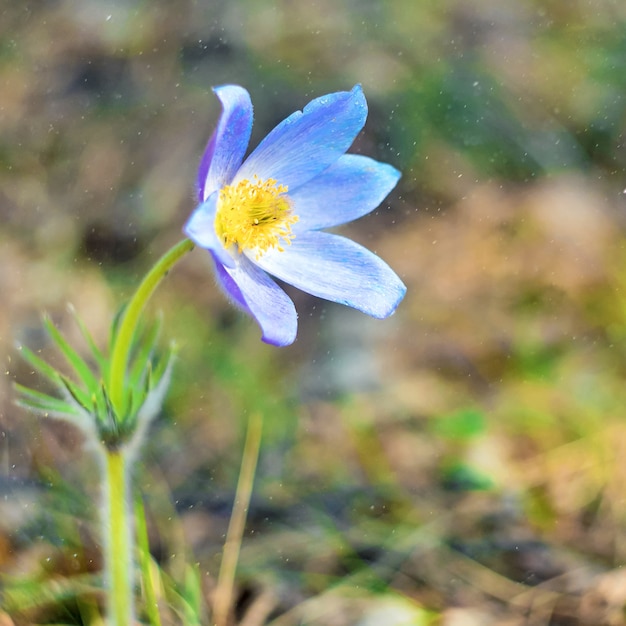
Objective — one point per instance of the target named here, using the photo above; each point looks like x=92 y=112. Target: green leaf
x=109 y=427
x=38 y=401
x=40 y=365
x=81 y=368
x=147 y=373
x=163 y=364
x=96 y=353
x=82 y=397
x=115 y=324
x=103 y=408
x=145 y=346
x=136 y=397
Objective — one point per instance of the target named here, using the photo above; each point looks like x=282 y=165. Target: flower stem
x=128 y=324
x=118 y=539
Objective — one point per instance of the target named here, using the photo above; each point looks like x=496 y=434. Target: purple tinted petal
x=351 y=188
x=229 y=142
x=308 y=141
x=230 y=287
x=257 y=294
x=337 y=269
x=200 y=228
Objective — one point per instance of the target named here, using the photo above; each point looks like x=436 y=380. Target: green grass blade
x=192 y=596
x=146 y=564
x=20 y=596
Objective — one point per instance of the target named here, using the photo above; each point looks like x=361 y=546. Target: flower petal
x=200 y=228
x=257 y=294
x=337 y=269
x=229 y=142
x=308 y=141
x=351 y=188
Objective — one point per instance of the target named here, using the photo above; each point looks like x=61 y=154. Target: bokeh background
x=462 y=463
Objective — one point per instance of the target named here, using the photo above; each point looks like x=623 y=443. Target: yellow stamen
x=255 y=216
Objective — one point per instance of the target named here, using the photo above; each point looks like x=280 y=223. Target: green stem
x=126 y=331
x=118 y=539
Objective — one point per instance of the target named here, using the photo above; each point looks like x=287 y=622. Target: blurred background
x=461 y=463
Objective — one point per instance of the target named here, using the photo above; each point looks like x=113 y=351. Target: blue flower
x=263 y=216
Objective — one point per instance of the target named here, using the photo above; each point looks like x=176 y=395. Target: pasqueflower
x=264 y=216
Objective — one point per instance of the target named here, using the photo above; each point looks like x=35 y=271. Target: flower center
x=254 y=215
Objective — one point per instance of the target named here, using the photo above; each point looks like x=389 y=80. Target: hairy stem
x=128 y=324
x=118 y=539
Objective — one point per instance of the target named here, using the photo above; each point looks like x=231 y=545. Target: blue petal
x=351 y=188
x=257 y=294
x=229 y=142
x=337 y=269
x=308 y=141
x=200 y=228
